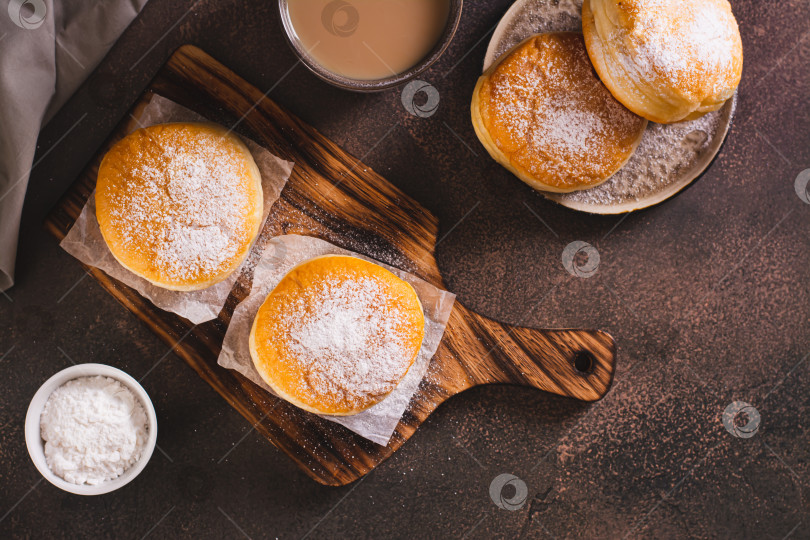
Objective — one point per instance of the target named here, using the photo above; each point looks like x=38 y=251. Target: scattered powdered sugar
x=94 y=429
x=533 y=17
x=570 y=128
x=668 y=154
x=350 y=344
x=192 y=250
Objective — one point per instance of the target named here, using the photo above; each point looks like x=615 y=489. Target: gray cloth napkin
x=47 y=49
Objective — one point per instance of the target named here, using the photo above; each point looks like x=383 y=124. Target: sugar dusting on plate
x=667 y=155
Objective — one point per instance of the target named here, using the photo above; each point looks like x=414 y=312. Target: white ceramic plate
x=36 y=446
x=656 y=172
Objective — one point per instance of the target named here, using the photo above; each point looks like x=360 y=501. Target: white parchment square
x=280 y=256
x=84 y=240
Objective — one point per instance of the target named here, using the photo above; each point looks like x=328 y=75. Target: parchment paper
x=280 y=255
x=84 y=240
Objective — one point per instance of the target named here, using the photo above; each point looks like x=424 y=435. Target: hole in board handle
x=584 y=362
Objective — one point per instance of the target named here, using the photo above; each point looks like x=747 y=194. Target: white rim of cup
x=36 y=446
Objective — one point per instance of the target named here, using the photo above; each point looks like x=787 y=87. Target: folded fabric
x=47 y=49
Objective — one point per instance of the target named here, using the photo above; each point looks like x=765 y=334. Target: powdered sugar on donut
x=187 y=205
x=553 y=117
x=337 y=334
x=351 y=343
x=690 y=40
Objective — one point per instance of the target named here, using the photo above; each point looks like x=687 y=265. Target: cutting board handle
x=574 y=363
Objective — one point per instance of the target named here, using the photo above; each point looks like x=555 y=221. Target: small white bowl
x=36 y=446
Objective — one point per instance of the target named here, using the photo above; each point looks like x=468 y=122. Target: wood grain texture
x=334 y=196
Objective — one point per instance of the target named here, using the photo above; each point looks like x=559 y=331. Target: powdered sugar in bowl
x=116 y=427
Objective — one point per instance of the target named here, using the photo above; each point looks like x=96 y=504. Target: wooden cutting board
x=332 y=195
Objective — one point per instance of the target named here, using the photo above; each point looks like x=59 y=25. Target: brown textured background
x=708 y=296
